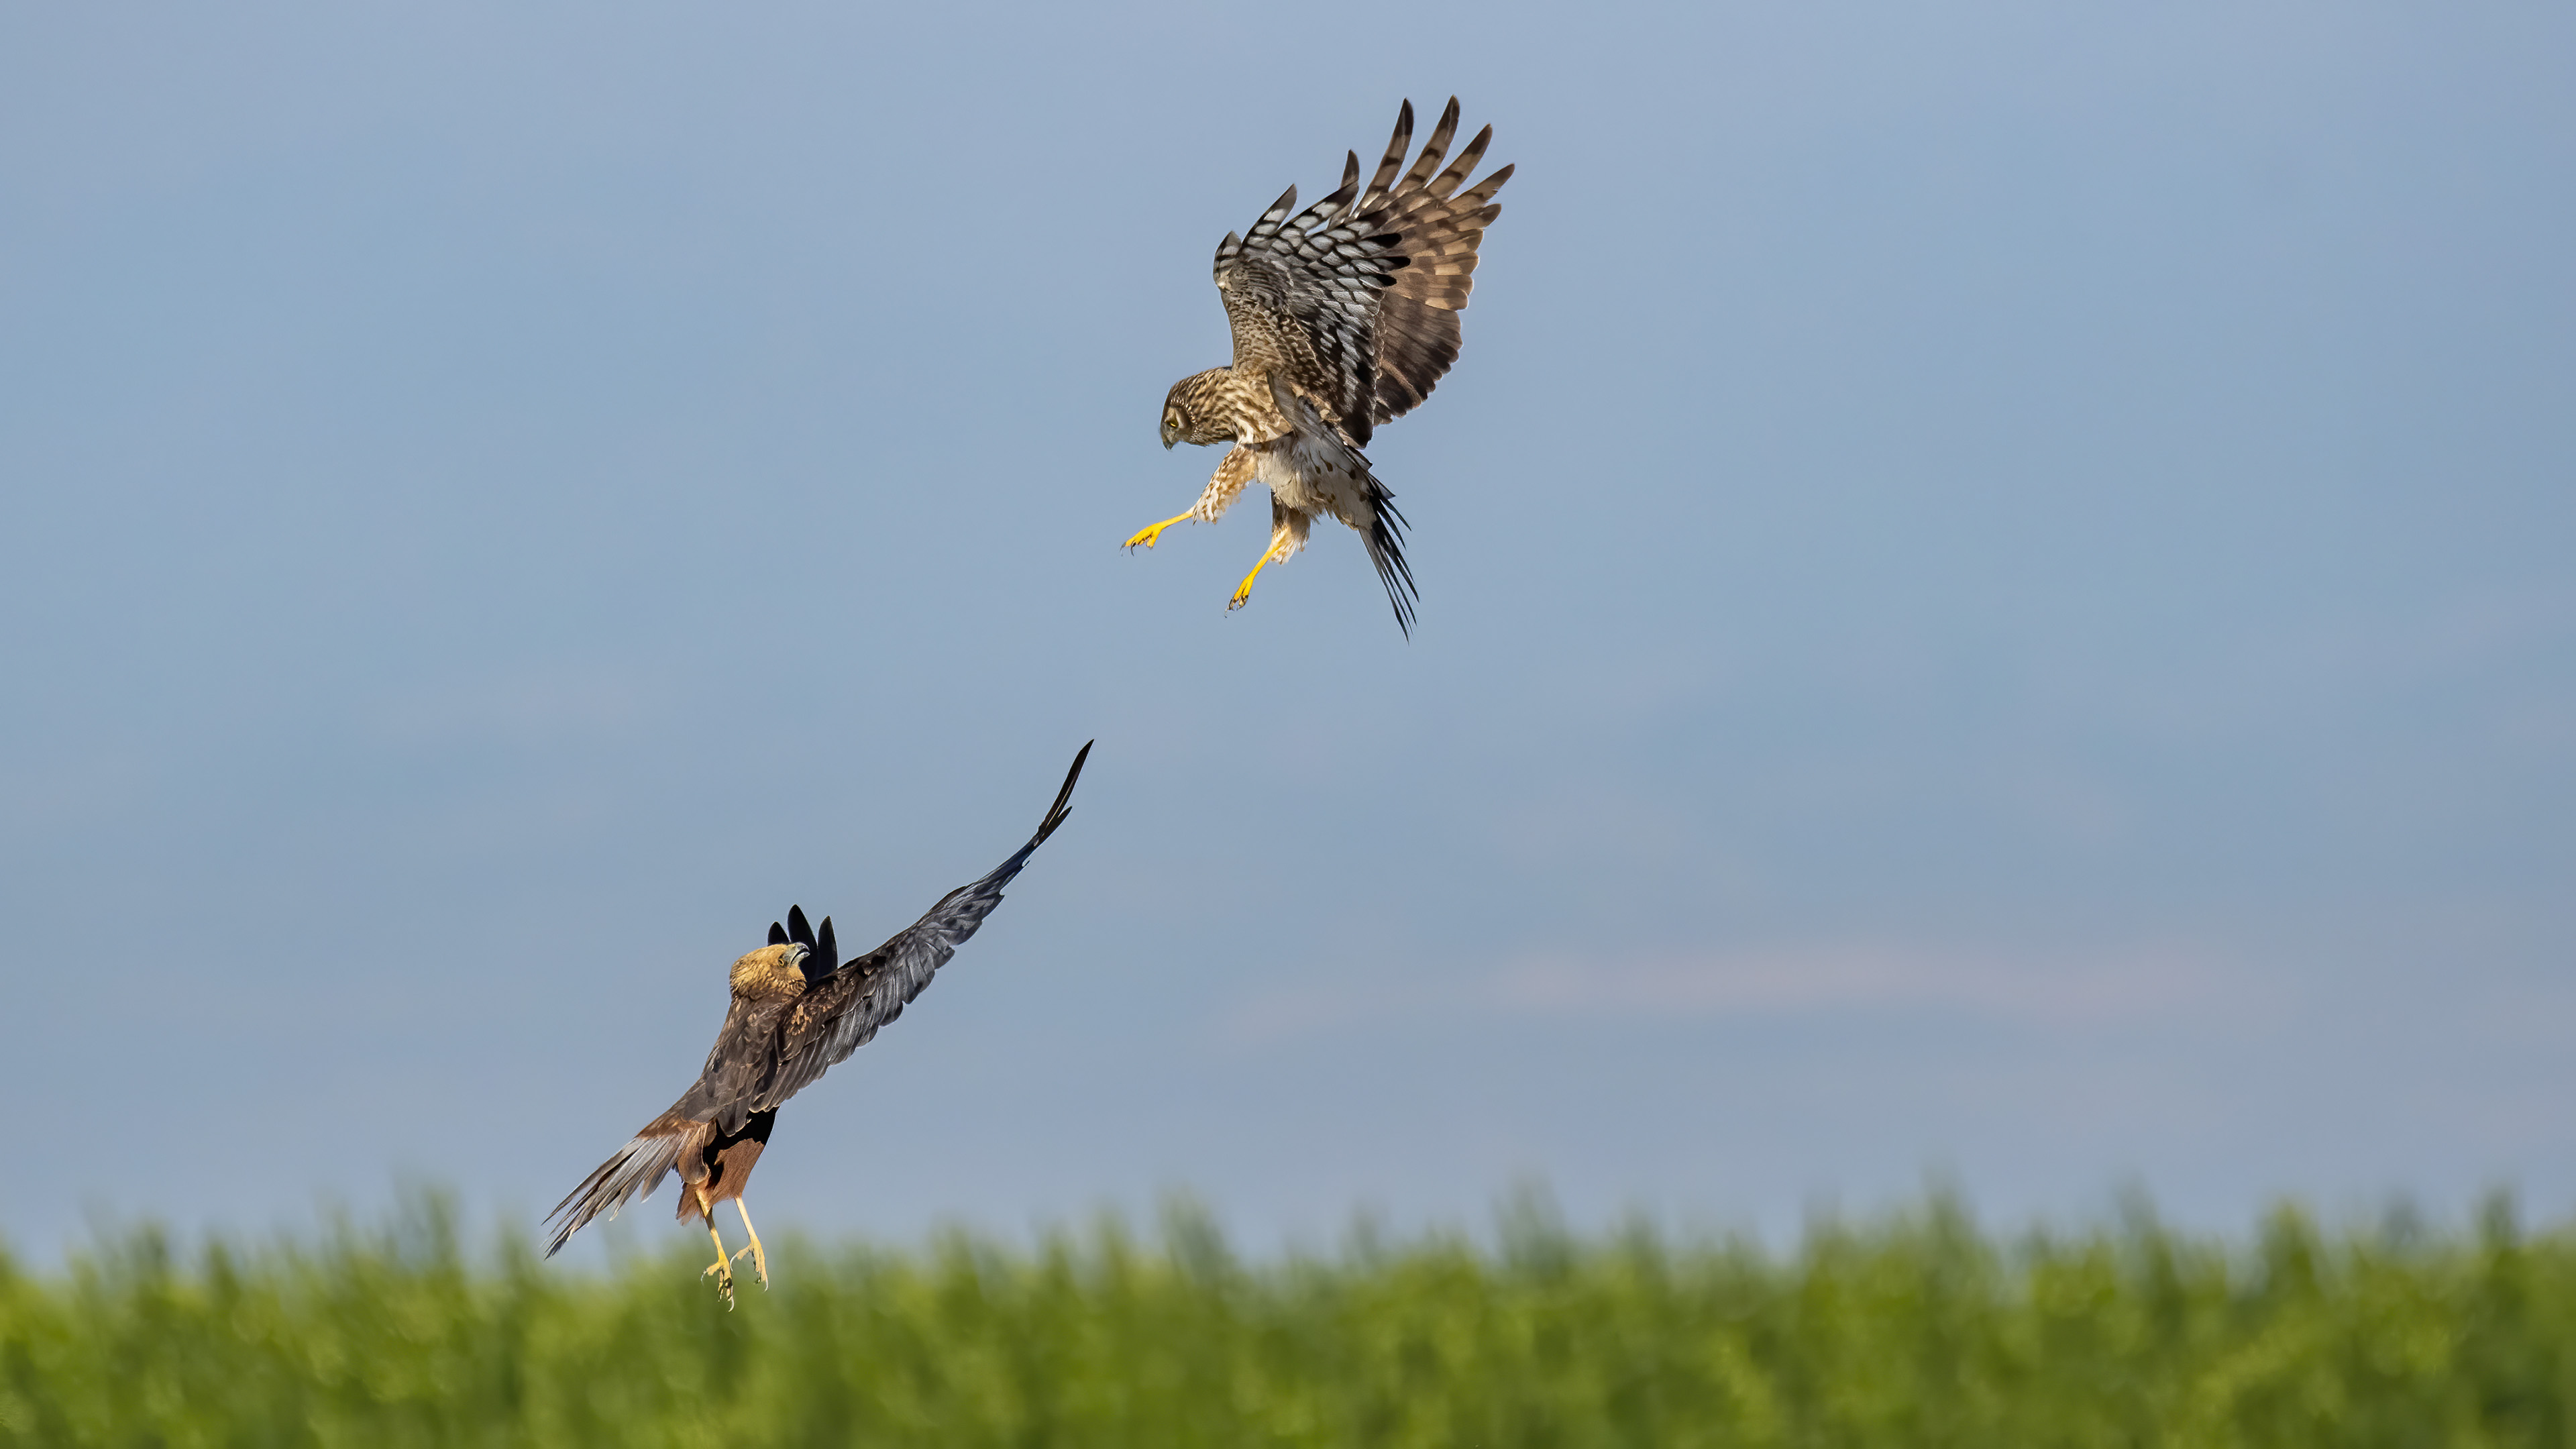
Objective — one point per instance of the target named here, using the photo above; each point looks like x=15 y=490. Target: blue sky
x=1995 y=601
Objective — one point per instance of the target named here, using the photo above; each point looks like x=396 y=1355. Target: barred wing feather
x=1440 y=227
x=1356 y=298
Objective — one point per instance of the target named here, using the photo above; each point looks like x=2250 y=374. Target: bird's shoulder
x=824 y=1001
x=753 y=1026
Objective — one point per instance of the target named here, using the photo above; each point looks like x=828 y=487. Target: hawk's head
x=1196 y=411
x=770 y=971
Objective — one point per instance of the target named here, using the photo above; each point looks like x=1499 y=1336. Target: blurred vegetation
x=1914 y=1329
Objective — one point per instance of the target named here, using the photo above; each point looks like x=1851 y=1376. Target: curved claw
x=1243 y=591
x=1146 y=536
x=722 y=1268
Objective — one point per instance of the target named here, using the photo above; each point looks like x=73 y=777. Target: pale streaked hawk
x=1344 y=316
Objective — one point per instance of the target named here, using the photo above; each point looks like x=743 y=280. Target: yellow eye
x=1172 y=421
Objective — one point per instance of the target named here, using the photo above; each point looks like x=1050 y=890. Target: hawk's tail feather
x=1385 y=542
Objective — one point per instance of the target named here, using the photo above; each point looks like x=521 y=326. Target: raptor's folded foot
x=1146 y=536
x=722 y=1268
x=1243 y=591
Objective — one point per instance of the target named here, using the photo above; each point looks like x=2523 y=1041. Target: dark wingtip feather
x=1057 y=812
x=798 y=930
x=825 y=947
x=777 y=934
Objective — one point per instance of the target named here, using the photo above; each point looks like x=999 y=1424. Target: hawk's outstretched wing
x=1355 y=300
x=1439 y=227
x=844 y=1005
x=637 y=1169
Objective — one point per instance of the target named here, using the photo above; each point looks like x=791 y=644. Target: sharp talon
x=1243 y=591
x=1145 y=536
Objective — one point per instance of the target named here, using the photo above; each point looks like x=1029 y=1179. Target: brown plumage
x=796 y=1011
x=728 y=1158
x=1344 y=317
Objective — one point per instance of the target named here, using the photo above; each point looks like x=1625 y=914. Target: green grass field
x=1916 y=1329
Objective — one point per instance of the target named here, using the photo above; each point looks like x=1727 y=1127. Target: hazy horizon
x=1995 y=601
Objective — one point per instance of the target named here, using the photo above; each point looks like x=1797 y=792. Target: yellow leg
x=759 y=1258
x=722 y=1268
x=1146 y=536
x=1243 y=591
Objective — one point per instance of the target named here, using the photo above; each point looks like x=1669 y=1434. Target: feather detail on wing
x=843 y=1009
x=1355 y=299
x=741 y=1067
x=636 y=1170
x=1438 y=228
x=1301 y=295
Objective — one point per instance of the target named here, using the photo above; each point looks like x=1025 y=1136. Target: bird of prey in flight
x=797 y=1010
x=1345 y=315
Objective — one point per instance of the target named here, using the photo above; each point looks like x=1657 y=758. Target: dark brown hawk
x=1345 y=315
x=797 y=1010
